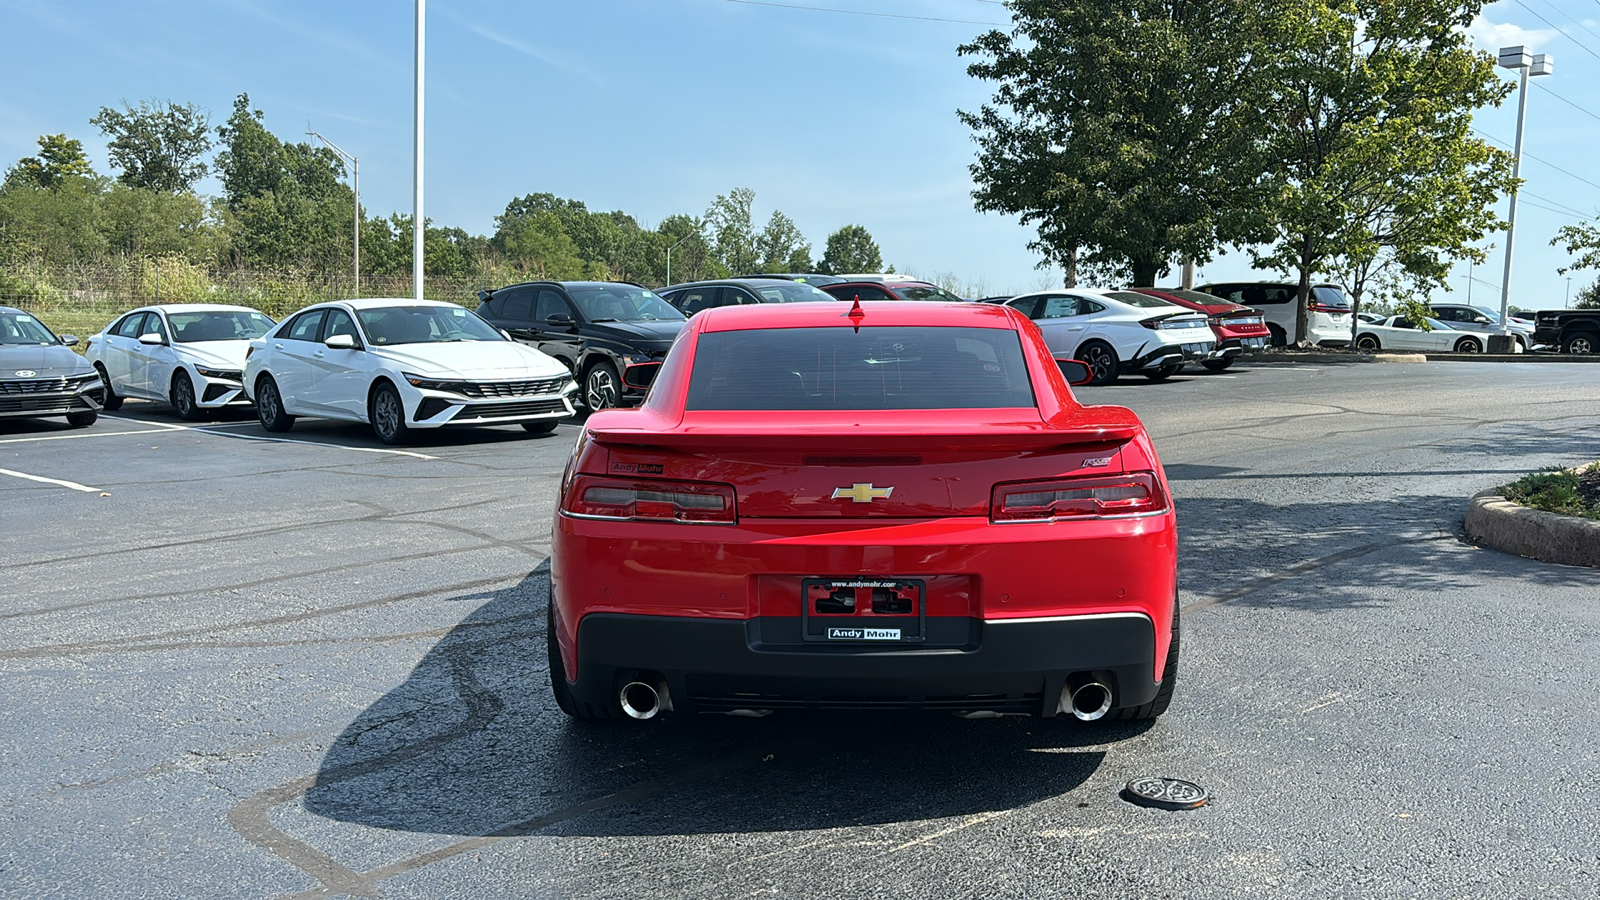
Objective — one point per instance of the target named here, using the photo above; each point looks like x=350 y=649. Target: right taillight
x=599 y=497
x=1098 y=496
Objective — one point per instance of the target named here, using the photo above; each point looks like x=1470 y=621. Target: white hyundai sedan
x=188 y=354
x=1118 y=331
x=401 y=365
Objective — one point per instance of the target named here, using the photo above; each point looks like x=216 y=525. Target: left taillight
x=1098 y=496
x=600 y=497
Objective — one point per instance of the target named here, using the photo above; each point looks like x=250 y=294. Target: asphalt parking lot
x=238 y=665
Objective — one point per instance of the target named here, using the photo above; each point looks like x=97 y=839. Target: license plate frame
x=863 y=627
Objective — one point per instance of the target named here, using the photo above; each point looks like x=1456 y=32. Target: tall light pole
x=355 y=188
x=418 y=223
x=1526 y=64
x=669 y=254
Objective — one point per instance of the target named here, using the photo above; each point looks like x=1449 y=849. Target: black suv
x=613 y=336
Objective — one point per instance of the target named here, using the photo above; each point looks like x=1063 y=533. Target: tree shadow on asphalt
x=472 y=744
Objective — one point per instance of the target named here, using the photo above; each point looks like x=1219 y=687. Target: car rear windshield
x=1328 y=295
x=1134 y=298
x=622 y=303
x=898 y=367
x=390 y=325
x=232 y=325
x=789 y=292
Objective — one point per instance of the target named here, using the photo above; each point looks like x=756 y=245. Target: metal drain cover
x=1165 y=793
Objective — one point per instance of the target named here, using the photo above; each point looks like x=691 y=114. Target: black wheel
x=558 y=678
x=387 y=414
x=601 y=387
x=1368 y=342
x=82 y=419
x=269 y=406
x=1581 y=342
x=112 y=402
x=1217 y=365
x=1276 y=336
x=1101 y=360
x=543 y=427
x=182 y=397
x=1169 y=683
x=1468 y=345
x=1163 y=373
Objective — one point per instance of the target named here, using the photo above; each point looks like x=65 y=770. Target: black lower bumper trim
x=719 y=665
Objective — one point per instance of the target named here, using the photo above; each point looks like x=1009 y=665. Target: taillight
x=1163 y=323
x=1325 y=308
x=662 y=501
x=1134 y=493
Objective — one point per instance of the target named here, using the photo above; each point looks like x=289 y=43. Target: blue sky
x=657 y=106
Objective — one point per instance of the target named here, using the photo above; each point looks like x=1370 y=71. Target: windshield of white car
x=229 y=325
x=390 y=325
x=1134 y=298
x=23 y=329
x=885 y=367
x=789 y=292
x=622 y=303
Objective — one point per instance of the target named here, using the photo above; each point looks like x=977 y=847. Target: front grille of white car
x=531 y=388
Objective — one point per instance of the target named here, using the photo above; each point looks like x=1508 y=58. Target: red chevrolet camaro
x=886 y=505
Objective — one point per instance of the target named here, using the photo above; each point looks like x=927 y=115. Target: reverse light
x=1099 y=496
x=598 y=497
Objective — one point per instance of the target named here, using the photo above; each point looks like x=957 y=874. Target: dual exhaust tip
x=1089 y=701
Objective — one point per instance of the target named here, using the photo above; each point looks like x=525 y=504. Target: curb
x=1516 y=357
x=1500 y=524
x=1269 y=358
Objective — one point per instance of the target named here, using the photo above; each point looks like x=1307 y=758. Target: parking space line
x=78 y=436
x=252 y=437
x=55 y=481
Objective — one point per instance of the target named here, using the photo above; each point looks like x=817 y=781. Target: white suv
x=1327 y=319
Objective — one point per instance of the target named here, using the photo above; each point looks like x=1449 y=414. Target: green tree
x=60 y=158
x=781 y=246
x=1370 y=123
x=159 y=145
x=732 y=230
x=60 y=224
x=1124 y=131
x=141 y=222
x=537 y=244
x=850 y=249
x=692 y=259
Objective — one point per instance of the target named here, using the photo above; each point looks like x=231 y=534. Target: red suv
x=1239 y=329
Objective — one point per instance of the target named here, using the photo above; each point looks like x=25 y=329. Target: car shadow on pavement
x=472 y=744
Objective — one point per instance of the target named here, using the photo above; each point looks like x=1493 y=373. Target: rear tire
x=558 y=677
x=1101 y=360
x=1581 y=342
x=1368 y=342
x=269 y=406
x=1468 y=345
x=1169 y=683
x=1217 y=365
x=387 y=414
x=182 y=398
x=112 y=402
x=1277 y=337
x=543 y=427
x=83 y=419
x=1163 y=373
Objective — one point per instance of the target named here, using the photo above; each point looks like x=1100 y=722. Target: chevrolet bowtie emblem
x=862 y=493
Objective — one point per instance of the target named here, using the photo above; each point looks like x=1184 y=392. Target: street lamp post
x=669 y=254
x=355 y=188
x=1526 y=64
x=418 y=223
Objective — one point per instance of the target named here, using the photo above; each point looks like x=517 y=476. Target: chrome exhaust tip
x=642 y=701
x=1088 y=701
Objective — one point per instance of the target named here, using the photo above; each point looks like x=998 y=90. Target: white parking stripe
x=163 y=428
x=251 y=437
x=79 y=435
x=55 y=481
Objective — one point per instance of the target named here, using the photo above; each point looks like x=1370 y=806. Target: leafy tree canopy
x=59 y=159
x=850 y=249
x=159 y=145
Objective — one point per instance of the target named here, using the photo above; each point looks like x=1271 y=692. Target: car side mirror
x=340 y=342
x=69 y=340
x=1075 y=371
x=558 y=319
x=1482 y=320
x=152 y=339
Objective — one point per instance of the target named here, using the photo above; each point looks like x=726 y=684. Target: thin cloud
x=1492 y=36
x=539 y=54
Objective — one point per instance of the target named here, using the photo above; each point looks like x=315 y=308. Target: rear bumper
x=1009 y=666
x=1172 y=354
x=1230 y=348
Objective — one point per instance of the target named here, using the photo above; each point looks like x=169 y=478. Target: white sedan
x=1400 y=333
x=188 y=354
x=1118 y=331
x=401 y=365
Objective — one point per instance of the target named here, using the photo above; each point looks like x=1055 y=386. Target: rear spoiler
x=863 y=438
